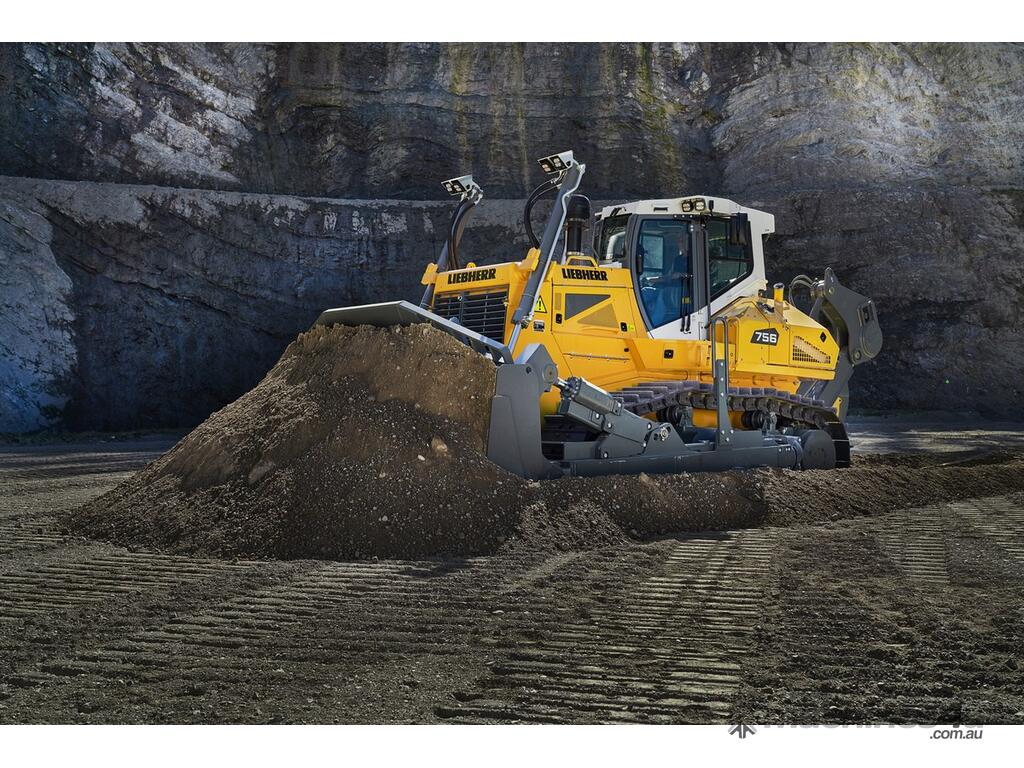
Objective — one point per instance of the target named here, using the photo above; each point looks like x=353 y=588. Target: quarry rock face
x=172 y=215
x=354 y=121
x=178 y=115
x=37 y=345
x=150 y=307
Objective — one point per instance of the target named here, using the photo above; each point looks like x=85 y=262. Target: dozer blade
x=403 y=313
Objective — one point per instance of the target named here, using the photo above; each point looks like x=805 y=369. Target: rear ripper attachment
x=661 y=351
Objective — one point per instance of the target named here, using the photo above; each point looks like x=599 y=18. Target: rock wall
x=37 y=347
x=152 y=307
x=354 y=121
x=171 y=215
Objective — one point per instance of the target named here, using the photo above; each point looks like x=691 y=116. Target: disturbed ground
x=911 y=614
x=370 y=442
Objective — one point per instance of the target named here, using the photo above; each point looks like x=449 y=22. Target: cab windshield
x=663 y=268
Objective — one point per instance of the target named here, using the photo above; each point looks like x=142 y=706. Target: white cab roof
x=761 y=223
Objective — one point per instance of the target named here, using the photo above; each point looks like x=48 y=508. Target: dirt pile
x=370 y=442
x=359 y=441
x=662 y=504
x=885 y=485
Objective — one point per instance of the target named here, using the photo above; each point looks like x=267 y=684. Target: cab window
x=612 y=246
x=727 y=264
x=663 y=269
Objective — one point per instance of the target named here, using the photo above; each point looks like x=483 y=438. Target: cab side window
x=612 y=245
x=728 y=264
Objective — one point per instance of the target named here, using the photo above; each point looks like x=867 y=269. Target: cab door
x=714 y=269
x=664 y=275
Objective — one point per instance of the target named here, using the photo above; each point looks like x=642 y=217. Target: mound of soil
x=793 y=497
x=370 y=442
x=662 y=504
x=359 y=441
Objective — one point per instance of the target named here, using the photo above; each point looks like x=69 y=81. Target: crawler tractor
x=658 y=349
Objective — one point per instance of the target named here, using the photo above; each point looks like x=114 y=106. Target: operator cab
x=681 y=251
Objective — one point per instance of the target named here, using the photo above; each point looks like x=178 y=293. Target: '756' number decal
x=769 y=336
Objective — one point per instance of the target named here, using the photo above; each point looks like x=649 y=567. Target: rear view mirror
x=739 y=230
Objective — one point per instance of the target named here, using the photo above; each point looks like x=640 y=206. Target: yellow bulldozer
x=657 y=347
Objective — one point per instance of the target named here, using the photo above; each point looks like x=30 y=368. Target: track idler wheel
x=819 y=452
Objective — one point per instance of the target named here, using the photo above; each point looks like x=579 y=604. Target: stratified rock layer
x=128 y=302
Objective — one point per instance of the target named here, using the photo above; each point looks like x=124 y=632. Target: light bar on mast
x=557 y=163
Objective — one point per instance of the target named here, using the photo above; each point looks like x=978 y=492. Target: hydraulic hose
x=453 y=234
x=449 y=257
x=546 y=186
x=799 y=280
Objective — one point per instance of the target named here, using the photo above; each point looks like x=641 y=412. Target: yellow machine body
x=588 y=317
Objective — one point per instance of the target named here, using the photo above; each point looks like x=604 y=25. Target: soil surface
x=887 y=616
x=365 y=442
x=360 y=441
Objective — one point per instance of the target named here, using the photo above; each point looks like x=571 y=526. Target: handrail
x=726 y=322
x=721 y=378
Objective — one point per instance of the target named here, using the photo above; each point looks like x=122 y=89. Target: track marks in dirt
x=918 y=549
x=62 y=585
x=335 y=637
x=667 y=649
x=999 y=519
x=52 y=612
x=875 y=622
x=901 y=617
x=24 y=537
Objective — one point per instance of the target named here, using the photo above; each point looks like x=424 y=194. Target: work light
x=458 y=186
x=557 y=163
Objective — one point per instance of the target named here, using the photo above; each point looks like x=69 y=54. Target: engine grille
x=805 y=352
x=481 y=312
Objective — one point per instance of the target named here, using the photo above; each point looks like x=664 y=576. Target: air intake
x=484 y=313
